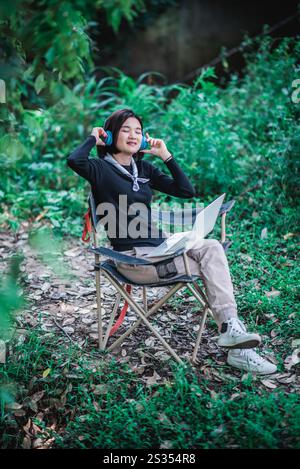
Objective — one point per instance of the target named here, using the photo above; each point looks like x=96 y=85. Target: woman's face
x=130 y=136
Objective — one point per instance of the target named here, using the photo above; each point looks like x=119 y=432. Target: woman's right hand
x=97 y=132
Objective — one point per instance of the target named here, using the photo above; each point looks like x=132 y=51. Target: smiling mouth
x=131 y=143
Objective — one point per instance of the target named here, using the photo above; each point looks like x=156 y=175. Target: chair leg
x=199 y=337
x=98 y=294
x=142 y=313
x=145 y=298
x=154 y=308
x=99 y=309
x=202 y=299
x=112 y=317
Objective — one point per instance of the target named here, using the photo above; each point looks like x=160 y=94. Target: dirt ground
x=63 y=301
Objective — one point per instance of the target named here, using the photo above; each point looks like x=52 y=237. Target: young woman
x=120 y=180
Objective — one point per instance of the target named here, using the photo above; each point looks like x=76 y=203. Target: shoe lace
x=236 y=325
x=252 y=356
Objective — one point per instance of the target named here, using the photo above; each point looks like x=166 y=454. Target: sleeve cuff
x=90 y=137
x=170 y=158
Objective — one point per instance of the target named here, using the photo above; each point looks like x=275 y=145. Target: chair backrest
x=175 y=217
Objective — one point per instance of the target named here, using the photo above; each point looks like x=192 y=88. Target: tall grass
x=92 y=403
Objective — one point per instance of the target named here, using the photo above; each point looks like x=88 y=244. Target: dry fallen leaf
x=292 y=360
x=288 y=235
x=46 y=444
x=236 y=395
x=72 y=252
x=139 y=408
x=172 y=316
x=100 y=389
x=68 y=321
x=26 y=442
x=150 y=342
x=93 y=336
x=214 y=395
x=264 y=233
x=152 y=379
x=2 y=351
x=87 y=320
x=272 y=293
x=246 y=257
x=69 y=330
x=286 y=378
x=269 y=384
x=14 y=406
x=162 y=355
x=19 y=413
x=296 y=356
x=167 y=444
x=37 y=443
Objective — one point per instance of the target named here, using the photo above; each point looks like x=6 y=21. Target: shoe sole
x=242 y=345
x=242 y=368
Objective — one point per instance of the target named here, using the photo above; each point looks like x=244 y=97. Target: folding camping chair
x=123 y=285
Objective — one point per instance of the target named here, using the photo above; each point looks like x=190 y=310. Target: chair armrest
x=226 y=207
x=119 y=257
x=223 y=212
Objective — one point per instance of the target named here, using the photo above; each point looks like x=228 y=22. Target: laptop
x=203 y=225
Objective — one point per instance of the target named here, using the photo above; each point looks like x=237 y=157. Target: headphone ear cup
x=144 y=143
x=109 y=139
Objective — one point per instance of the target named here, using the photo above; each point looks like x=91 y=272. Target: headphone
x=109 y=140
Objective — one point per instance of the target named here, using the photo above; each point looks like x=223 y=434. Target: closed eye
x=138 y=132
x=126 y=129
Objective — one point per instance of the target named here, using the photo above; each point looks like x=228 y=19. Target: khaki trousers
x=208 y=260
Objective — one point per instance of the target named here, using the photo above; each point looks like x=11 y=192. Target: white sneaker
x=236 y=336
x=249 y=360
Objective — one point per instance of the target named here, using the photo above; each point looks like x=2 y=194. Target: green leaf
x=39 y=83
x=46 y=372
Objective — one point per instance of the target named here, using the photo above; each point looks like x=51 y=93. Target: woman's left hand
x=158 y=147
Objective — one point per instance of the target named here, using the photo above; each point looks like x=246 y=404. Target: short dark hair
x=113 y=123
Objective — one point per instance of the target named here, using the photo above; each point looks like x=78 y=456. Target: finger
x=102 y=132
x=99 y=141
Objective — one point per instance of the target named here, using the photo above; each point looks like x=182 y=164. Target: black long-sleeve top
x=108 y=184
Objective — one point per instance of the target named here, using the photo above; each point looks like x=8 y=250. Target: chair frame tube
x=145 y=313
x=140 y=312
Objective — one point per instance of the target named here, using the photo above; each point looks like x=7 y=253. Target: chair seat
x=112 y=270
